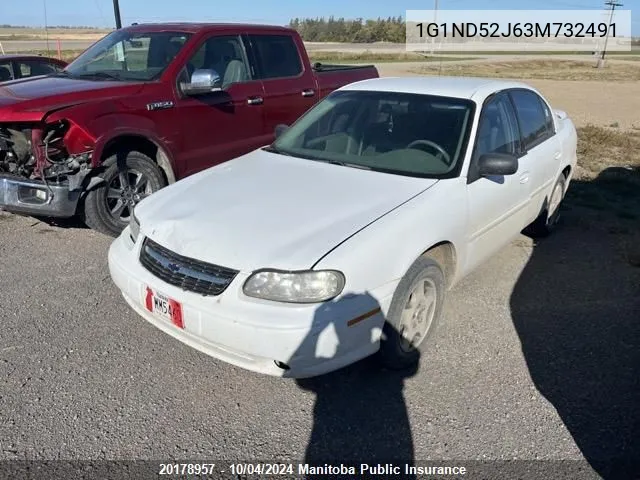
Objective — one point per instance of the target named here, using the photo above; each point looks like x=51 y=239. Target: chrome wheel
x=125 y=191
x=417 y=315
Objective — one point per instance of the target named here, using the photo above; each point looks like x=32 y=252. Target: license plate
x=164 y=307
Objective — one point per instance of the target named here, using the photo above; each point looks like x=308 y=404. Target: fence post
x=59 y=50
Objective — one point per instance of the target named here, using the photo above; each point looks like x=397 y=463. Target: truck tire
x=414 y=314
x=108 y=206
x=546 y=223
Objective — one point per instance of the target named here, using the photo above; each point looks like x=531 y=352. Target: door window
x=534 y=122
x=277 y=56
x=225 y=55
x=498 y=128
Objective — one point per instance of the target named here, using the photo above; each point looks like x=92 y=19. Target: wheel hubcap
x=418 y=315
x=124 y=192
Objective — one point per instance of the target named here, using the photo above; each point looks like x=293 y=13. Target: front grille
x=184 y=272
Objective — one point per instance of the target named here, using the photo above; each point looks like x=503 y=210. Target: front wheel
x=108 y=207
x=414 y=313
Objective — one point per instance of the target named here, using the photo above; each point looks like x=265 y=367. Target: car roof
x=195 y=27
x=471 y=88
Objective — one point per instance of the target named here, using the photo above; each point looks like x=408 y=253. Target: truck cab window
x=277 y=55
x=225 y=55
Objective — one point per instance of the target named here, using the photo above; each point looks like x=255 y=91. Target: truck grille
x=184 y=272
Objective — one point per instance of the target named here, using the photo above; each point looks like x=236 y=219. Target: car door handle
x=309 y=92
x=255 y=101
x=524 y=178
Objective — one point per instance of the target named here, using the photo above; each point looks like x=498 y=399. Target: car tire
x=547 y=221
x=127 y=181
x=413 y=315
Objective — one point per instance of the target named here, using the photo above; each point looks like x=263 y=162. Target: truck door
x=219 y=126
x=289 y=86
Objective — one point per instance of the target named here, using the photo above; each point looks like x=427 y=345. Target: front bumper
x=310 y=339
x=33 y=197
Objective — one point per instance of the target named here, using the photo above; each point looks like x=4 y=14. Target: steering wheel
x=428 y=143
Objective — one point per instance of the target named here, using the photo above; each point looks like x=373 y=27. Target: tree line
x=391 y=29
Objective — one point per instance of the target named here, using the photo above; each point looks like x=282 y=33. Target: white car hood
x=267 y=210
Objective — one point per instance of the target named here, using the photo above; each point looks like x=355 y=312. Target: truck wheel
x=546 y=223
x=107 y=208
x=414 y=313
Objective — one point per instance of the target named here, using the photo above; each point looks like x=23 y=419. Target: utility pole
x=435 y=20
x=612 y=4
x=116 y=12
x=46 y=26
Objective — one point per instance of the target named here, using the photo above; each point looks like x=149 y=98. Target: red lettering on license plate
x=163 y=306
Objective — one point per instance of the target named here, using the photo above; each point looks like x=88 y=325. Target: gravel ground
x=537 y=359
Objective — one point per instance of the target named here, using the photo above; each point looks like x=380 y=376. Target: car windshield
x=401 y=133
x=125 y=55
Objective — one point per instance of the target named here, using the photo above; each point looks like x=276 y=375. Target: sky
x=100 y=12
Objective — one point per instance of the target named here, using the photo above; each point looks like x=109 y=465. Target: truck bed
x=330 y=77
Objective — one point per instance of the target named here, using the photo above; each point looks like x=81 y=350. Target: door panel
x=289 y=87
x=541 y=143
x=498 y=205
x=220 y=126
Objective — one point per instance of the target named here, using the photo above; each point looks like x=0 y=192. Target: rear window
x=31 y=68
x=277 y=56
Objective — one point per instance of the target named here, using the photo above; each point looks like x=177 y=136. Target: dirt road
x=595 y=102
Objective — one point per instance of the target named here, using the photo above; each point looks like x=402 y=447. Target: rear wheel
x=415 y=312
x=108 y=207
x=547 y=221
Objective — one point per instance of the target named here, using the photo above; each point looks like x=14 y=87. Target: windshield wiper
x=272 y=149
x=105 y=75
x=342 y=164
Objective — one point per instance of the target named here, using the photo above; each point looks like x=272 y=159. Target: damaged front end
x=42 y=167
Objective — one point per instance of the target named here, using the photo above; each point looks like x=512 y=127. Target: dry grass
x=606 y=186
x=16 y=33
x=539 y=69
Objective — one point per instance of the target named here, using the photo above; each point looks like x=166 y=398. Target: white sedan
x=341 y=238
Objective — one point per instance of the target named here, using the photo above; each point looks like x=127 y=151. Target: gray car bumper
x=32 y=197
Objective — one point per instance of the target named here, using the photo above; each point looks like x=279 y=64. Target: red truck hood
x=31 y=99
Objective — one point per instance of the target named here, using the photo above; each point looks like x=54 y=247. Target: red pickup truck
x=148 y=105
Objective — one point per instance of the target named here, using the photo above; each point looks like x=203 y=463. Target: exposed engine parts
x=21 y=145
x=15 y=151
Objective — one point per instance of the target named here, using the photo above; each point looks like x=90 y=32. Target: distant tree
x=389 y=29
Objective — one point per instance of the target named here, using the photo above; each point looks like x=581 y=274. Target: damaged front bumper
x=34 y=197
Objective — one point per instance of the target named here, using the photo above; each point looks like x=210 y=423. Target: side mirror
x=280 y=129
x=497 y=164
x=202 y=81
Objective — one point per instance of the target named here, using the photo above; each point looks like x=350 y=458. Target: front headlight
x=134 y=226
x=295 y=287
